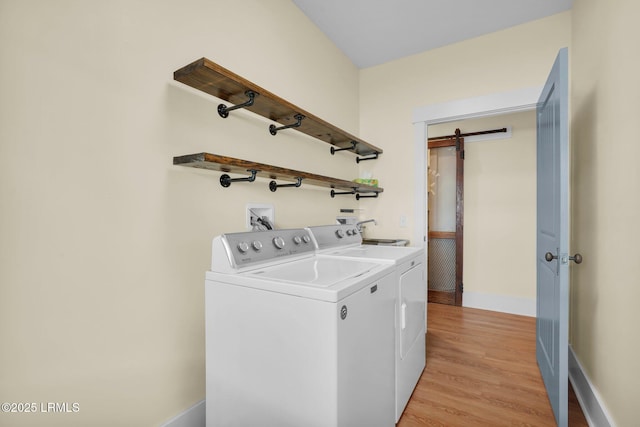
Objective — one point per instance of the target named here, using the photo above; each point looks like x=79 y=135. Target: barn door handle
x=550 y=257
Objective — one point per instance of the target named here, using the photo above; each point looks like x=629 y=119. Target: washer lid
x=319 y=272
x=397 y=254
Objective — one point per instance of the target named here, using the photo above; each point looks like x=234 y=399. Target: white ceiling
x=371 y=32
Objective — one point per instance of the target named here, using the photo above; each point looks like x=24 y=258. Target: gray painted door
x=552 y=322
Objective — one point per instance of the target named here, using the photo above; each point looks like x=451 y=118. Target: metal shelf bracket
x=273 y=186
x=274 y=130
x=372 y=157
x=226 y=180
x=223 y=110
x=334 y=150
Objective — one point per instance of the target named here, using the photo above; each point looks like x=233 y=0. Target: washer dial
x=278 y=242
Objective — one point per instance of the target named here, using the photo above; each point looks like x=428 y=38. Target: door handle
x=577 y=258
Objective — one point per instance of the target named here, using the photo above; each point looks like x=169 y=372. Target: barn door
x=446 y=220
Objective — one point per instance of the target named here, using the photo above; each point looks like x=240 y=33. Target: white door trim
x=482 y=106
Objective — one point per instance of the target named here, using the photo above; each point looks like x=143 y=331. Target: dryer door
x=412 y=307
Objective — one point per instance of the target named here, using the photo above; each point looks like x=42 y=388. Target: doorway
x=499 y=212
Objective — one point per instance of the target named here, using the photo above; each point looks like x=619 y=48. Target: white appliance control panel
x=234 y=251
x=336 y=235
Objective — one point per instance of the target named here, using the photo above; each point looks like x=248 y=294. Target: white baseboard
x=502 y=303
x=192 y=417
x=590 y=401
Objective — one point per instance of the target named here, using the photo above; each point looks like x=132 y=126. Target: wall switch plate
x=259 y=210
x=403 y=221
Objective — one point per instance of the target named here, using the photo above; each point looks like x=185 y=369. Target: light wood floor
x=481 y=371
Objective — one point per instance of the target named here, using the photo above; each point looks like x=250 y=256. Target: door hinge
x=461 y=287
x=462 y=154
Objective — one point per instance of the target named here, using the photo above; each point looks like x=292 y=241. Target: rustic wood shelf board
x=232 y=165
x=215 y=80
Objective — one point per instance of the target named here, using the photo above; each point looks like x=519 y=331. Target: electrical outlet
x=403 y=221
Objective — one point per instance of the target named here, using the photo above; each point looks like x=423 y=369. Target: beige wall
x=515 y=58
x=499 y=206
x=605 y=289
x=103 y=242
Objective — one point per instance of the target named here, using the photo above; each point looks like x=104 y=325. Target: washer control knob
x=354 y=231
x=349 y=232
x=306 y=238
x=243 y=247
x=339 y=234
x=278 y=242
x=256 y=245
x=297 y=240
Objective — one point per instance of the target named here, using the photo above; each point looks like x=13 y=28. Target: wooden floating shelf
x=232 y=165
x=215 y=80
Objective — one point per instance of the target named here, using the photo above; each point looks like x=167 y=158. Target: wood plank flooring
x=481 y=371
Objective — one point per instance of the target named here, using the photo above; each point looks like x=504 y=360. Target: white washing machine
x=345 y=242
x=294 y=339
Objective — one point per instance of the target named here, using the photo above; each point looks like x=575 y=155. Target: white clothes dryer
x=294 y=339
x=345 y=242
